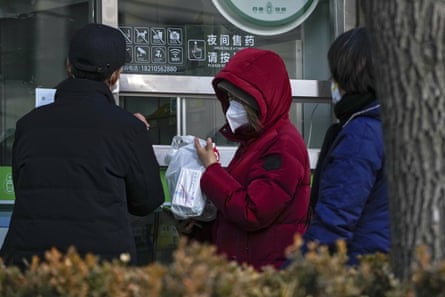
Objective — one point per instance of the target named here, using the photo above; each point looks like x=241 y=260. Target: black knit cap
x=98 y=48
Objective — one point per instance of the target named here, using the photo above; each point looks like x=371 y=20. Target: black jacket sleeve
x=143 y=182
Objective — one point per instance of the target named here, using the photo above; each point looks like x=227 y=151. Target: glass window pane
x=311 y=119
x=193 y=38
x=190 y=38
x=204 y=118
x=34 y=40
x=160 y=114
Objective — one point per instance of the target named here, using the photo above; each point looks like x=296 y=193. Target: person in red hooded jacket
x=262 y=196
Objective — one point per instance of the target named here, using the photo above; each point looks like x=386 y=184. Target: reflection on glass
x=192 y=38
x=34 y=40
x=160 y=114
x=317 y=117
x=204 y=118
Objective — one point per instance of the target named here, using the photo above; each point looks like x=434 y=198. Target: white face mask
x=236 y=115
x=335 y=92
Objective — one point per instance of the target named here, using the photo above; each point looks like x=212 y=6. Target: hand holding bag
x=183 y=177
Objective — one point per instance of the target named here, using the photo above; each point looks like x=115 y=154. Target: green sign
x=164 y=185
x=7 y=186
x=7 y=195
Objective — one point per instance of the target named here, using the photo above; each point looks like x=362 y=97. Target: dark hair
x=253 y=117
x=350 y=61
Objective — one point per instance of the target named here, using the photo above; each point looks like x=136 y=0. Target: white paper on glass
x=44 y=96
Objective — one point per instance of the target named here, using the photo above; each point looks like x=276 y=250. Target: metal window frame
x=343 y=16
x=312 y=91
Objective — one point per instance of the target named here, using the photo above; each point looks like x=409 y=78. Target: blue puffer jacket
x=353 y=198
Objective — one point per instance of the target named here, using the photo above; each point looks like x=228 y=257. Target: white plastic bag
x=183 y=177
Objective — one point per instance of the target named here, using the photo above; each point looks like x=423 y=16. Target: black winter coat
x=80 y=166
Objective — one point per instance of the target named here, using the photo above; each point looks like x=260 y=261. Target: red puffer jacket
x=263 y=195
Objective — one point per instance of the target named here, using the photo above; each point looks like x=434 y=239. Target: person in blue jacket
x=349 y=196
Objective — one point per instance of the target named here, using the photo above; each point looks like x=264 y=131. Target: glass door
x=34 y=40
x=177 y=47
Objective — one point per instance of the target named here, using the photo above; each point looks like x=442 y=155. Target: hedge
x=198 y=271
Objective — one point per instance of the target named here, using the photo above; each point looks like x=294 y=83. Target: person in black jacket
x=82 y=164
